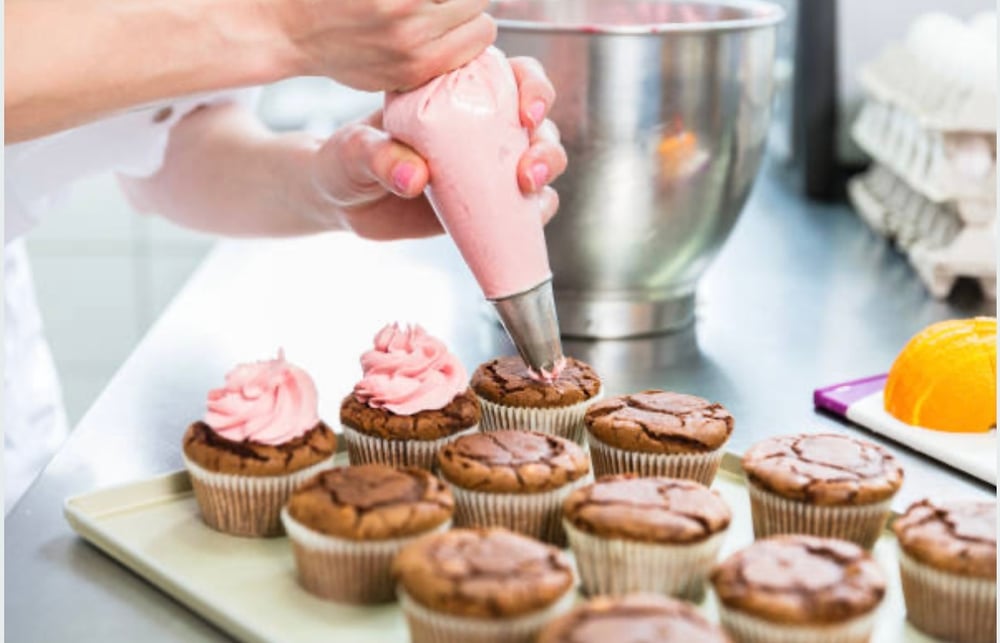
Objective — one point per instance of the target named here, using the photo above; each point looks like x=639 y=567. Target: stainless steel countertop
x=802 y=295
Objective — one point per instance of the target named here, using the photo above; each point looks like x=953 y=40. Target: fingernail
x=539 y=175
x=536 y=111
x=402 y=174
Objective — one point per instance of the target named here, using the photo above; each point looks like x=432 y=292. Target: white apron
x=37 y=173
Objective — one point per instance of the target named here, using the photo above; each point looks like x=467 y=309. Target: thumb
x=360 y=164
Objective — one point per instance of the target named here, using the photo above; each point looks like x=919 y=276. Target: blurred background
x=104 y=274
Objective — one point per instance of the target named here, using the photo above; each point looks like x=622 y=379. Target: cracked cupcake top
x=662 y=510
x=512 y=462
x=507 y=381
x=460 y=414
x=372 y=502
x=209 y=450
x=825 y=469
x=634 y=618
x=800 y=579
x=483 y=573
x=958 y=536
x=660 y=422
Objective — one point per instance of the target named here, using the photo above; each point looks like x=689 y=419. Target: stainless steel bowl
x=663 y=108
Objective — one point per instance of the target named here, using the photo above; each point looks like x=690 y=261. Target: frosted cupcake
x=260 y=438
x=412 y=399
x=513 y=397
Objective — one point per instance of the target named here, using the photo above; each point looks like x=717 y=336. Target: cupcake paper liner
x=772 y=515
x=947 y=605
x=358 y=572
x=538 y=515
x=563 y=421
x=428 y=626
x=246 y=505
x=370 y=449
x=608 y=459
x=745 y=628
x=615 y=566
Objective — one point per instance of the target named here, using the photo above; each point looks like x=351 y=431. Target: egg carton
x=944 y=73
x=942 y=166
x=939 y=244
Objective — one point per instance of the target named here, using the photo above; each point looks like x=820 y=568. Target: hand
x=375 y=184
x=377 y=45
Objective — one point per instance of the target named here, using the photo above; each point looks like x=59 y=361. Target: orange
x=946 y=377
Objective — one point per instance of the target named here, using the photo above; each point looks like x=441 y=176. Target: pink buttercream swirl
x=545 y=376
x=271 y=402
x=409 y=371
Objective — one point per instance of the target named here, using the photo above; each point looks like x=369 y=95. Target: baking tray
x=861 y=402
x=247 y=587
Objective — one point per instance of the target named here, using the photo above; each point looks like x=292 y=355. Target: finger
x=542 y=163
x=549 y=204
x=360 y=164
x=451 y=50
x=535 y=89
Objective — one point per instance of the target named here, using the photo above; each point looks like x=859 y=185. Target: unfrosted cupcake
x=658 y=433
x=481 y=586
x=634 y=618
x=799 y=589
x=512 y=397
x=948 y=565
x=513 y=479
x=827 y=485
x=632 y=534
x=260 y=438
x=412 y=399
x=347 y=524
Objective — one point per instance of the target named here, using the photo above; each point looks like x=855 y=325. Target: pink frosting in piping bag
x=466 y=125
x=270 y=402
x=409 y=371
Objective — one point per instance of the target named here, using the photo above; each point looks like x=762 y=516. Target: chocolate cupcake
x=481 y=586
x=635 y=618
x=513 y=479
x=512 y=397
x=412 y=399
x=632 y=534
x=799 y=589
x=948 y=565
x=827 y=485
x=658 y=433
x=260 y=438
x=347 y=524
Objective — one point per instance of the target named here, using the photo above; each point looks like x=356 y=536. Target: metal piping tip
x=530 y=319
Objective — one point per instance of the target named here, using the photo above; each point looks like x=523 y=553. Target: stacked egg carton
x=929 y=124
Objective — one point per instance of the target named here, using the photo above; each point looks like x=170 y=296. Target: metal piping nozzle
x=530 y=319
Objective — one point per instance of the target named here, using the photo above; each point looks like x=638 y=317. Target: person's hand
x=377 y=45
x=375 y=184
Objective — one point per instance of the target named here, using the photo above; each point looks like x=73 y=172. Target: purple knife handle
x=837 y=397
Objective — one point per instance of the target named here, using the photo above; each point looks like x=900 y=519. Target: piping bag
x=466 y=125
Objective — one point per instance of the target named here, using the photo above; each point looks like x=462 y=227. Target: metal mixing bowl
x=663 y=108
